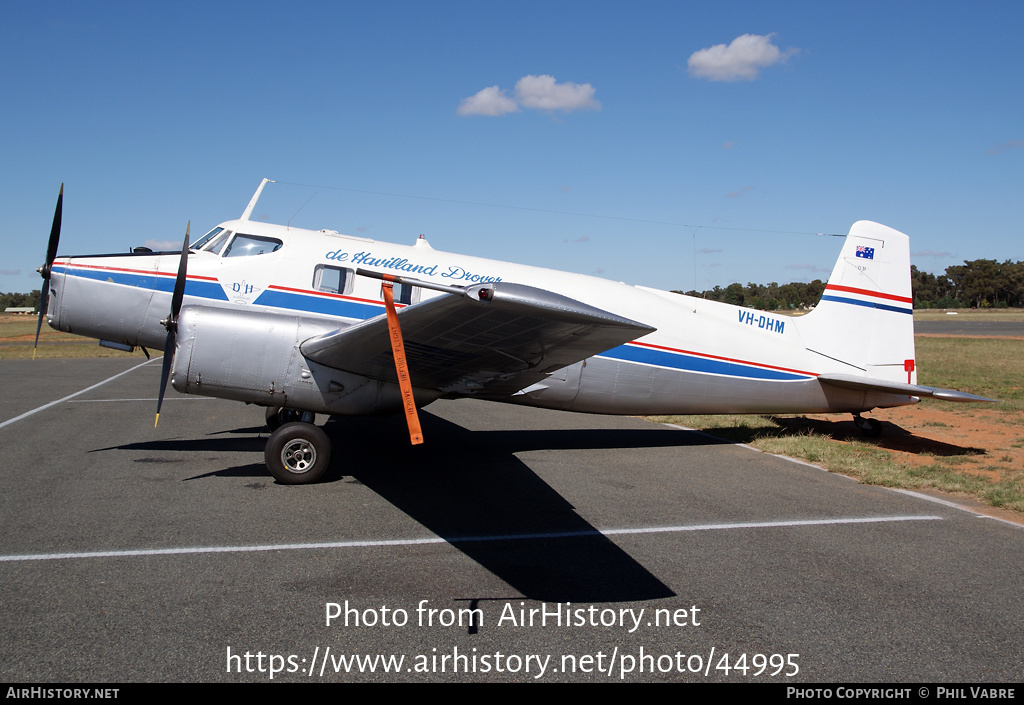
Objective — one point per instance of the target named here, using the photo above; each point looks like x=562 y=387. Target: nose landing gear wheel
x=298 y=453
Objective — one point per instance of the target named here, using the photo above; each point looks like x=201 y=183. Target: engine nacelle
x=253 y=356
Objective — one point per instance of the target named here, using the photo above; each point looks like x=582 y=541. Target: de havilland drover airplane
x=310 y=322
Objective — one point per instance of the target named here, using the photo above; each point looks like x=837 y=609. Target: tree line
x=980 y=283
x=19 y=300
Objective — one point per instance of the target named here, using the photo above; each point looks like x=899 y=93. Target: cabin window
x=332 y=280
x=406 y=294
x=248 y=245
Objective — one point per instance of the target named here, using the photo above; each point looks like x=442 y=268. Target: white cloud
x=491 y=101
x=543 y=93
x=741 y=60
x=1000 y=148
x=533 y=93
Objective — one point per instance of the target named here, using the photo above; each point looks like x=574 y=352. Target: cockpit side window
x=333 y=280
x=247 y=245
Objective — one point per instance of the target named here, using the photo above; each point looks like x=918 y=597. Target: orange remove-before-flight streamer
x=404 y=382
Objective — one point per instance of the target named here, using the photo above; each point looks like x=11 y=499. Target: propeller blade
x=44 y=301
x=171 y=322
x=51 y=248
x=179 y=282
x=165 y=371
x=51 y=254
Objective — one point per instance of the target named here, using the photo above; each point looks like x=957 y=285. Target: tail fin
x=865 y=317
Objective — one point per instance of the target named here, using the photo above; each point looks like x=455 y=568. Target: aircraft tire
x=298 y=453
x=278 y=416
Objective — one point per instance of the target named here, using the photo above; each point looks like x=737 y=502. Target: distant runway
x=953 y=326
x=515 y=545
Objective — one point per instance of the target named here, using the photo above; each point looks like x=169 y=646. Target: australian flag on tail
x=865 y=252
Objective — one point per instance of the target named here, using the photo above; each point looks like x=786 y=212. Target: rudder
x=865 y=317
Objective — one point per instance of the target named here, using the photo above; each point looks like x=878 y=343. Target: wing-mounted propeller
x=171 y=322
x=51 y=254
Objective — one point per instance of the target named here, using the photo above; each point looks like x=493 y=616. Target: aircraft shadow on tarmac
x=893 y=437
x=469 y=488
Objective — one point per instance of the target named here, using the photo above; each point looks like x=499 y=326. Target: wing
x=913 y=390
x=493 y=338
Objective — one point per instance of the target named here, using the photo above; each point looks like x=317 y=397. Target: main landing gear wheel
x=278 y=416
x=871 y=428
x=298 y=453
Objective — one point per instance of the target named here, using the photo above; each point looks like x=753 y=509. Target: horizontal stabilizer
x=914 y=390
x=492 y=338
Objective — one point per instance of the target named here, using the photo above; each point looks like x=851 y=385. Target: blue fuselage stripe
x=344 y=308
x=308 y=303
x=193 y=287
x=696 y=363
x=866 y=304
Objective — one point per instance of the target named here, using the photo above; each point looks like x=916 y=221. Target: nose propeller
x=171 y=322
x=51 y=254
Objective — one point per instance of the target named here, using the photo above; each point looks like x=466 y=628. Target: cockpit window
x=246 y=245
x=201 y=242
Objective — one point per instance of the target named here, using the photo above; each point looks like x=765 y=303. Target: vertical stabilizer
x=865 y=317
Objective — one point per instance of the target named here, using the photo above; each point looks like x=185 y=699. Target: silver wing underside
x=490 y=340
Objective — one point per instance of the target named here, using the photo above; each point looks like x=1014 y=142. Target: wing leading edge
x=491 y=339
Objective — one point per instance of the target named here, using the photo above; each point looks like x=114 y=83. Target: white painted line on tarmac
x=72 y=396
x=954 y=505
x=461 y=539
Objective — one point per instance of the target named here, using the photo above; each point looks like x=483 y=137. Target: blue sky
x=672 y=144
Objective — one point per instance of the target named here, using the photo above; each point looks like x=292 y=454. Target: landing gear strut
x=871 y=428
x=278 y=416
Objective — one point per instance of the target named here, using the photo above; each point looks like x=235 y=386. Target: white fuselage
x=703 y=357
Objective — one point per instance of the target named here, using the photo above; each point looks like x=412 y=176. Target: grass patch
x=990 y=367
x=17 y=334
x=872 y=465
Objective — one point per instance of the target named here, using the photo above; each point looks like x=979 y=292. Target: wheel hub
x=298 y=456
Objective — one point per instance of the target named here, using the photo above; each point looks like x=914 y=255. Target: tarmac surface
x=953 y=326
x=129 y=553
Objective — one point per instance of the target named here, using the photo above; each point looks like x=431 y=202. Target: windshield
x=218 y=242
x=198 y=244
